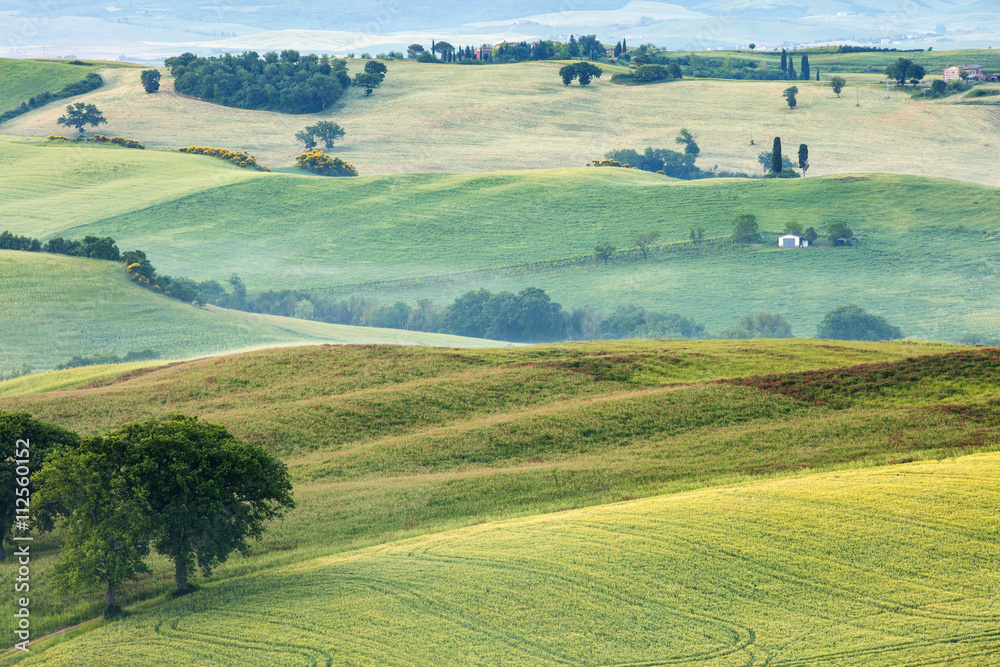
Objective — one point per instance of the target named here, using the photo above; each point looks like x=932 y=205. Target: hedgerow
x=239 y=158
x=90 y=82
x=121 y=141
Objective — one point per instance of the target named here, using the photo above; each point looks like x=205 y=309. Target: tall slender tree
x=804 y=71
x=790 y=74
x=784 y=61
x=776 y=156
x=803 y=158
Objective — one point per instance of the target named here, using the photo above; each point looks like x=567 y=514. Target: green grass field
x=873 y=567
x=23 y=79
x=386 y=442
x=473 y=119
x=734 y=563
x=923 y=258
x=57 y=307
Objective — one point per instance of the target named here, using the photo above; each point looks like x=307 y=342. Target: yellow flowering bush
x=120 y=141
x=319 y=162
x=239 y=158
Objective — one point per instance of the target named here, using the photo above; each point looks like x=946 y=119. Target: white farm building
x=792 y=241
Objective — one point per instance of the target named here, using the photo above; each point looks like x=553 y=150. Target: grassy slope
x=22 y=79
x=923 y=259
x=48 y=184
x=388 y=442
x=461 y=118
x=55 y=307
x=716 y=577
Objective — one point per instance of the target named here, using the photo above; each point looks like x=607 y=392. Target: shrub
x=853 y=323
x=59 y=137
x=319 y=162
x=120 y=141
x=983 y=92
x=239 y=158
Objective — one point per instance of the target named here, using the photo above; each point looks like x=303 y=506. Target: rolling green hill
x=23 y=79
x=57 y=307
x=451 y=118
x=874 y=567
x=387 y=442
x=924 y=258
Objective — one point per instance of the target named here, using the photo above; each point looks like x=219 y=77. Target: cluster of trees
x=746 y=230
x=287 y=82
x=761 y=325
x=903 y=70
x=843 y=48
x=92 y=81
x=326 y=131
x=582 y=71
x=181 y=487
x=788 y=67
x=150 y=79
x=941 y=89
x=777 y=165
x=587 y=46
x=854 y=323
x=650 y=73
x=93 y=247
x=676 y=164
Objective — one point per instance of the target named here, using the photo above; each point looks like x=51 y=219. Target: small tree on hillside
x=644 y=240
x=79 y=115
x=803 y=158
x=837 y=83
x=414 y=50
x=789 y=95
x=604 y=252
x=367 y=81
x=792 y=227
x=839 y=230
x=150 y=80
x=810 y=234
x=326 y=131
x=745 y=228
x=804 y=73
x=375 y=67
x=776 y=162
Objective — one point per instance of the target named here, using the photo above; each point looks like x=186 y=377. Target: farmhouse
x=792 y=241
x=971 y=72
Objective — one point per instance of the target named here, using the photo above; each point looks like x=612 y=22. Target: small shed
x=792 y=241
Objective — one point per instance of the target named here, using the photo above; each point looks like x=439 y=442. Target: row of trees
x=746 y=230
x=287 y=82
x=587 y=46
x=90 y=82
x=676 y=164
x=183 y=488
x=94 y=247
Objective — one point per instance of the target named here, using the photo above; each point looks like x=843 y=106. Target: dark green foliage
x=904 y=69
x=98 y=359
x=745 y=229
x=95 y=487
x=766 y=160
x=150 y=80
x=803 y=158
x=604 y=252
x=837 y=83
x=90 y=82
x=852 y=323
x=91 y=246
x=288 y=82
x=326 y=131
x=810 y=234
x=761 y=325
x=81 y=114
x=367 y=81
x=590 y=47
x=637 y=322
x=672 y=163
x=414 y=50
x=789 y=95
x=839 y=230
x=583 y=71
x=652 y=73
x=804 y=69
x=41 y=439
x=574 y=47
x=938 y=87
x=529 y=316
x=207 y=493
x=784 y=61
x=790 y=74
x=674 y=70
x=777 y=164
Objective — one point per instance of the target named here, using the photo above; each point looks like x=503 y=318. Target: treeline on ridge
x=287 y=82
x=92 y=81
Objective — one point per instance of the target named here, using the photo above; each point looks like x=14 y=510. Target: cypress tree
x=817 y=74
x=803 y=158
x=805 y=67
x=776 y=156
x=784 y=61
x=624 y=45
x=790 y=74
x=618 y=49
